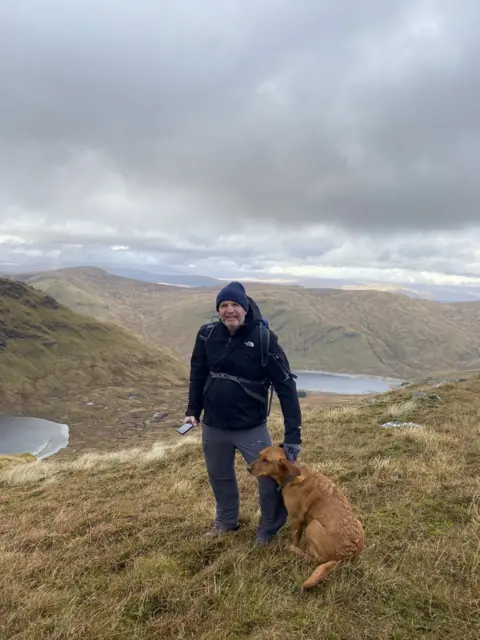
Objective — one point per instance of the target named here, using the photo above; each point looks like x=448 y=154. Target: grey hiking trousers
x=219 y=447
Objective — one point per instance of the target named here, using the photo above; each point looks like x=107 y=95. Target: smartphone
x=185 y=428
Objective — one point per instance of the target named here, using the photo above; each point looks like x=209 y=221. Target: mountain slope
x=54 y=361
x=325 y=329
x=104 y=296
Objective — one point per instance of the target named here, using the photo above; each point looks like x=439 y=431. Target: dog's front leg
x=297 y=528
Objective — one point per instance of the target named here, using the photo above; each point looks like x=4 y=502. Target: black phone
x=185 y=428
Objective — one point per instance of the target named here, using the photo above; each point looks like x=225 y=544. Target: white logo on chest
x=249 y=344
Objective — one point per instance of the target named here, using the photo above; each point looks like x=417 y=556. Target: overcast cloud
x=232 y=136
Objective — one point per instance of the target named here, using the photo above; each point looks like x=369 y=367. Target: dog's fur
x=316 y=504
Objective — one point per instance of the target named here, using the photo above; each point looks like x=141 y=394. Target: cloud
x=245 y=136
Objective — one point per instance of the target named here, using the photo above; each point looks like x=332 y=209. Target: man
x=227 y=382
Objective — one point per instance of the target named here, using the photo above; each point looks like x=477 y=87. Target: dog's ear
x=292 y=469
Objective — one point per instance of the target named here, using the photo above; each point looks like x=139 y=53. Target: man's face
x=232 y=314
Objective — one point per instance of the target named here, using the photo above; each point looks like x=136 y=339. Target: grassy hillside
x=470 y=310
x=112 y=546
x=94 y=292
x=54 y=361
x=354 y=331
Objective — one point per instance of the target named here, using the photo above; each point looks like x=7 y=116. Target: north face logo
x=249 y=344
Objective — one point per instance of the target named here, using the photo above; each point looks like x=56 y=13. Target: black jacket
x=225 y=402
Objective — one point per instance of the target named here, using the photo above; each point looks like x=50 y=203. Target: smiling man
x=233 y=363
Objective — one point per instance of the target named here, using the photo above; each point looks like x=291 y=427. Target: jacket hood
x=254 y=314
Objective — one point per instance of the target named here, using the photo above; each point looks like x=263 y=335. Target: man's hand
x=291 y=450
x=191 y=420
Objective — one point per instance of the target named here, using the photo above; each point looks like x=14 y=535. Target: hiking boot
x=263 y=542
x=220 y=530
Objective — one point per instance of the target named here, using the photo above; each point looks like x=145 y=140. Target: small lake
x=344 y=383
x=39 y=437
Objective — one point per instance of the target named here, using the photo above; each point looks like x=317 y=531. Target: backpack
x=264 y=340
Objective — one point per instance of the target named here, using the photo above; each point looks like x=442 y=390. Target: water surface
x=344 y=383
x=41 y=438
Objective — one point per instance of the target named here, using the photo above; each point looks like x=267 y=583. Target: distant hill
x=171 y=275
x=386 y=288
x=54 y=361
x=164 y=278
x=325 y=329
x=439 y=293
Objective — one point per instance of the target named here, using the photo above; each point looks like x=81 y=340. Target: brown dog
x=316 y=504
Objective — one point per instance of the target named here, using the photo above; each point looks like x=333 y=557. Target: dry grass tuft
x=23 y=474
x=116 y=549
x=398 y=410
x=338 y=414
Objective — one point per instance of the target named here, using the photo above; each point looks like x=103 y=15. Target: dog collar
x=285 y=482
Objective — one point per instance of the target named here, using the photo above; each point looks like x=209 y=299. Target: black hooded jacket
x=225 y=402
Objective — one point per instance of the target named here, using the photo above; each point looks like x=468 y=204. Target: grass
x=400 y=409
x=340 y=414
x=50 y=470
x=115 y=550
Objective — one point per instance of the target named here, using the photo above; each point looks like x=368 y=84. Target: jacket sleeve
x=198 y=376
x=283 y=382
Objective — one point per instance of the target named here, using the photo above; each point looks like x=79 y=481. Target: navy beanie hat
x=235 y=292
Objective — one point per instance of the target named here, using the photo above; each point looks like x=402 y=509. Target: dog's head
x=273 y=462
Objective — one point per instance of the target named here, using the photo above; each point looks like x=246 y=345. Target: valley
x=365 y=332
x=109 y=387
x=109 y=355
x=100 y=380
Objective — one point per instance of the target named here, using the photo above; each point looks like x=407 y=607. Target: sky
x=238 y=138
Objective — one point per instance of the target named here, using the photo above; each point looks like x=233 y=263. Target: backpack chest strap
x=219 y=375
x=227 y=376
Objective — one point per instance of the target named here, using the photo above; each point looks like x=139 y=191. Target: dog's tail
x=320 y=573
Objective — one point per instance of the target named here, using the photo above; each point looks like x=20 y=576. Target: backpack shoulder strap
x=264 y=342
x=206 y=331
x=265 y=350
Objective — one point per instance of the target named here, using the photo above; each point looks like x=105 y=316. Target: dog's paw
x=297 y=551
